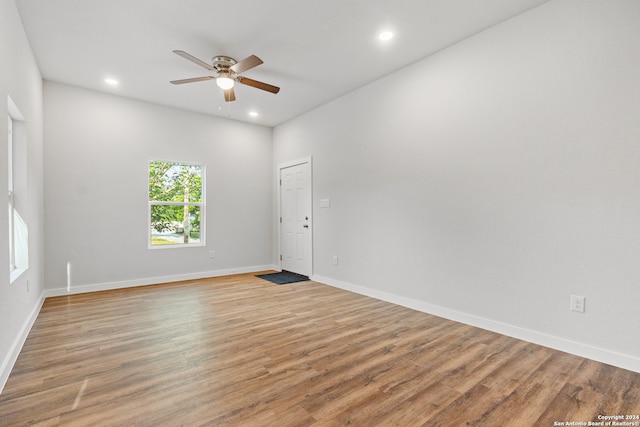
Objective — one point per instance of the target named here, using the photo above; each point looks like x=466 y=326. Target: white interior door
x=295 y=218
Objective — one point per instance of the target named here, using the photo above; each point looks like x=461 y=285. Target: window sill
x=15 y=274
x=177 y=246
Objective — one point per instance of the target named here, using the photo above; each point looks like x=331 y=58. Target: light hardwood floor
x=241 y=351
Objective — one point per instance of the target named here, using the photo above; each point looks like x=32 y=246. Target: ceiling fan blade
x=246 y=64
x=257 y=84
x=229 y=95
x=193 y=59
x=192 y=80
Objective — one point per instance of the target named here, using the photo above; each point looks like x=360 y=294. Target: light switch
x=325 y=203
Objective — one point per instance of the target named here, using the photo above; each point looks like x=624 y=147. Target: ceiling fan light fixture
x=385 y=36
x=224 y=81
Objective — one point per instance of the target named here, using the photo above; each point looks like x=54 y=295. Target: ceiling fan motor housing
x=222 y=63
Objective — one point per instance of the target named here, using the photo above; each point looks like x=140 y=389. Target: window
x=16 y=168
x=176 y=204
x=12 y=252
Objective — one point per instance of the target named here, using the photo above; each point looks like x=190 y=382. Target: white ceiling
x=315 y=50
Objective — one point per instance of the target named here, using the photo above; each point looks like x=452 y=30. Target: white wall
x=98 y=148
x=20 y=79
x=491 y=181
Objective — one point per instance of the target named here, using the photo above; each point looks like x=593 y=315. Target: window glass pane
x=12 y=265
x=175 y=182
x=12 y=260
x=175 y=224
x=10 y=156
x=21 y=239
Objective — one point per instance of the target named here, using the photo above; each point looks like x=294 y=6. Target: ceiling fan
x=227 y=72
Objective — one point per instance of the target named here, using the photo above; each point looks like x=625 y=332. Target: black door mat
x=284 y=277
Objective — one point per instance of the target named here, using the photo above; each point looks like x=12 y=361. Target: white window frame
x=18 y=229
x=201 y=205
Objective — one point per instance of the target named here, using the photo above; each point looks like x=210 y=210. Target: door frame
x=285 y=165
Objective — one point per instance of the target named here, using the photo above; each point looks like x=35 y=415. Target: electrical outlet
x=577 y=303
x=335 y=260
x=212 y=254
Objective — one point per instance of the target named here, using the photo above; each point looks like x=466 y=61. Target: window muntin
x=176 y=204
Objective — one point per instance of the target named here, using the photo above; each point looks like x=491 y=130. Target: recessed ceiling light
x=253 y=113
x=385 y=35
x=111 y=82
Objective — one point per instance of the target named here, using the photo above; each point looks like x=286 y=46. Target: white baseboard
x=579 y=349
x=96 y=287
x=16 y=347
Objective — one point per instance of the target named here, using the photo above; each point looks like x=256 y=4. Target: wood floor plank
x=239 y=350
